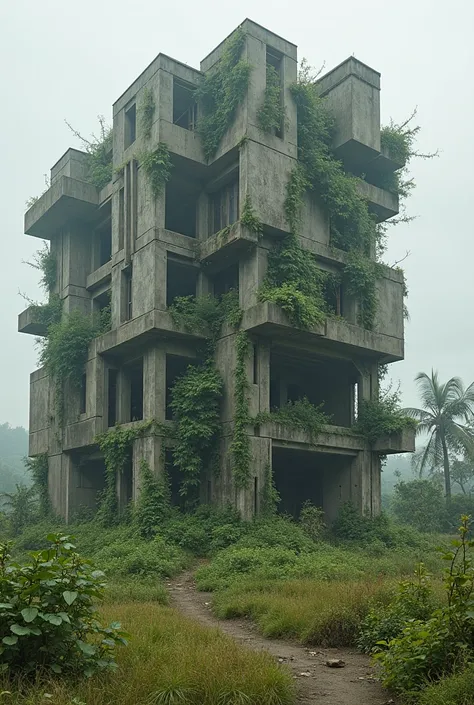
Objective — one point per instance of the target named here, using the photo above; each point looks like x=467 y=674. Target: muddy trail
x=354 y=684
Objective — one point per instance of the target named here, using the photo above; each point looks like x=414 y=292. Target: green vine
x=45 y=262
x=300 y=415
x=295 y=283
x=206 y=314
x=240 y=445
x=64 y=353
x=157 y=166
x=249 y=219
x=195 y=402
x=269 y=495
x=220 y=93
x=38 y=466
x=116 y=445
x=360 y=277
x=271 y=113
x=146 y=112
x=153 y=503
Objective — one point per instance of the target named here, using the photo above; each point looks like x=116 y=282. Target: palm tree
x=447 y=410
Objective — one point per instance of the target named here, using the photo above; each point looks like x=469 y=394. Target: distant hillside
x=13 y=448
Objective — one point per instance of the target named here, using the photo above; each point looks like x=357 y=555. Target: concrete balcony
x=270 y=320
x=384 y=163
x=384 y=204
x=228 y=243
x=332 y=439
x=66 y=201
x=100 y=276
x=401 y=442
x=27 y=323
x=130 y=337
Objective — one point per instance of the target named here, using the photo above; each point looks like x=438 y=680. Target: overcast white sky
x=63 y=59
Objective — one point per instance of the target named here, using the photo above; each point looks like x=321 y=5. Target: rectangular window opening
x=181 y=207
x=255 y=364
x=121 y=219
x=127 y=309
x=181 y=279
x=224 y=206
x=83 y=394
x=135 y=374
x=226 y=280
x=274 y=64
x=104 y=234
x=112 y=398
x=176 y=366
x=103 y=310
x=184 y=105
x=130 y=131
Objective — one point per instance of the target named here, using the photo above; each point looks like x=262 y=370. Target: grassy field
x=170 y=659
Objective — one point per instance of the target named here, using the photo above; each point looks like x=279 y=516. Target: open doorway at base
x=303 y=475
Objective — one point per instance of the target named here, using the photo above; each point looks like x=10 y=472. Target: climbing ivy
x=206 y=314
x=269 y=495
x=153 y=504
x=220 y=93
x=38 y=466
x=146 y=111
x=64 y=352
x=157 y=166
x=271 y=113
x=195 y=400
x=298 y=415
x=360 y=277
x=116 y=445
x=295 y=283
x=249 y=219
x=240 y=445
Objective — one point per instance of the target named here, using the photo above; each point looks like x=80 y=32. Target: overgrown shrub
x=134 y=557
x=205 y=531
x=47 y=614
x=457 y=689
x=428 y=650
x=382 y=416
x=420 y=503
x=312 y=521
x=412 y=600
x=299 y=415
x=153 y=504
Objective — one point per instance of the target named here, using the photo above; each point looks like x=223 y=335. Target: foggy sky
x=63 y=59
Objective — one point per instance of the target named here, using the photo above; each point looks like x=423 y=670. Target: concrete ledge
x=332 y=439
x=269 y=319
x=99 y=276
x=65 y=201
x=185 y=143
x=226 y=244
x=384 y=163
x=136 y=332
x=28 y=324
x=82 y=433
x=384 y=204
x=401 y=442
x=38 y=442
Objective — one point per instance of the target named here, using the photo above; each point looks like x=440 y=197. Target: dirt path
x=317 y=684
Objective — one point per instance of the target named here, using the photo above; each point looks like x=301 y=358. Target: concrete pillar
x=151 y=450
x=154 y=384
x=252 y=271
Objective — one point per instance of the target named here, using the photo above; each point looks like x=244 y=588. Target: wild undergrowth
x=170 y=659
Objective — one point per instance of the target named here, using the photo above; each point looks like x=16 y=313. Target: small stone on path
x=335 y=663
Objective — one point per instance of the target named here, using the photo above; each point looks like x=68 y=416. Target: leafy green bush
x=153 y=504
x=312 y=521
x=381 y=417
x=420 y=503
x=298 y=415
x=47 y=614
x=133 y=556
x=428 y=650
x=412 y=601
x=205 y=531
x=454 y=690
x=351 y=525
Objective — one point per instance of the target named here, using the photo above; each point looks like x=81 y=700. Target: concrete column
x=151 y=449
x=123 y=397
x=252 y=271
x=263 y=371
x=154 y=384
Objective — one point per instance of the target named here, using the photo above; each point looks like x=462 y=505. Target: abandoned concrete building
x=140 y=247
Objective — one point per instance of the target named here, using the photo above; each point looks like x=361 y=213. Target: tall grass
x=313 y=612
x=170 y=659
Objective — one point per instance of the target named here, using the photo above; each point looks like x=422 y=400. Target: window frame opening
x=130 y=125
x=185 y=108
x=181 y=278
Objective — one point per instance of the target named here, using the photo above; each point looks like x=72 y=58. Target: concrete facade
x=156 y=249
